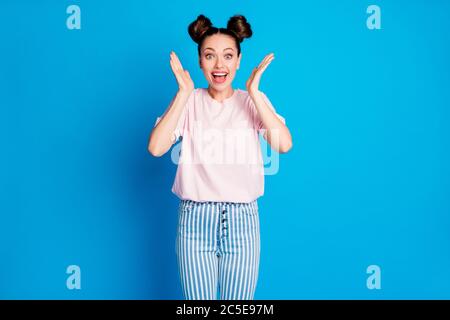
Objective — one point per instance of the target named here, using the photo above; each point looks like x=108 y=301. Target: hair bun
x=240 y=27
x=198 y=28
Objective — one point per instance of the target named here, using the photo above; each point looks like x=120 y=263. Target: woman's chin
x=219 y=86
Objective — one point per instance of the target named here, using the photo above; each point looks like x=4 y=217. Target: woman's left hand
x=252 y=83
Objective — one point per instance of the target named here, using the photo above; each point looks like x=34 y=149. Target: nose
x=218 y=63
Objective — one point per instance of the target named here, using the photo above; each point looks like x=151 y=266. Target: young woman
x=220 y=172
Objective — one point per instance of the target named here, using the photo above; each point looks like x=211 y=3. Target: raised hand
x=185 y=83
x=252 y=83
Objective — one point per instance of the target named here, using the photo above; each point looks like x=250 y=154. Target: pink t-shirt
x=220 y=158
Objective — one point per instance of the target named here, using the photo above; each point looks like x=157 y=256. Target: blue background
x=366 y=182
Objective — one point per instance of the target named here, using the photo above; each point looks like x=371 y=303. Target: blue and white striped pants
x=218 y=249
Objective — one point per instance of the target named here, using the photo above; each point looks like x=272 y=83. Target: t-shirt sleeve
x=258 y=121
x=181 y=125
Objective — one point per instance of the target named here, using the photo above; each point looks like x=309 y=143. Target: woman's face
x=218 y=55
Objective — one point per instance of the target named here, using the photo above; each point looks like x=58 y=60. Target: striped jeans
x=218 y=249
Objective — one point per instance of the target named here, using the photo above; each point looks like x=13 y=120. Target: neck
x=221 y=95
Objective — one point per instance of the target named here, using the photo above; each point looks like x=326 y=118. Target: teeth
x=219 y=74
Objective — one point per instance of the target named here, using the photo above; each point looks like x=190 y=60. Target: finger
x=172 y=58
x=261 y=63
x=264 y=67
x=257 y=77
x=267 y=57
x=175 y=68
x=267 y=60
x=252 y=75
x=177 y=61
x=172 y=63
x=270 y=55
x=176 y=73
x=185 y=76
x=172 y=66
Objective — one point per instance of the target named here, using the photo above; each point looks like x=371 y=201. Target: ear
x=239 y=61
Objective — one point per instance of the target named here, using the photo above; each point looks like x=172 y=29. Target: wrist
x=254 y=93
x=184 y=93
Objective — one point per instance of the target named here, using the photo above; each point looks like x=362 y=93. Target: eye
x=207 y=55
x=230 y=56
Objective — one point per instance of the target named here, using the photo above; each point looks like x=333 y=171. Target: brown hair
x=237 y=27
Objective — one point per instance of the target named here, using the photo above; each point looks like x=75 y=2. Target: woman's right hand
x=185 y=83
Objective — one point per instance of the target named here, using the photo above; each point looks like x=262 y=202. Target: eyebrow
x=214 y=50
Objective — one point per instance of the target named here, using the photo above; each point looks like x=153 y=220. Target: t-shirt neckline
x=225 y=100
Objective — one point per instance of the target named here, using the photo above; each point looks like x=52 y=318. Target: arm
x=277 y=134
x=162 y=136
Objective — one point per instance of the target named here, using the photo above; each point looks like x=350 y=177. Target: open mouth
x=219 y=77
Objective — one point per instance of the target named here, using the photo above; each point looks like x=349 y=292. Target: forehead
x=219 y=42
